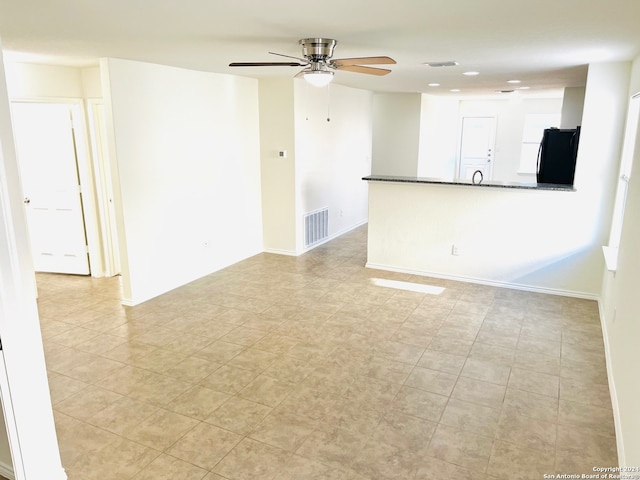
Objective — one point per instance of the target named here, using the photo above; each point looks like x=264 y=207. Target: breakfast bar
x=472 y=183
x=519 y=235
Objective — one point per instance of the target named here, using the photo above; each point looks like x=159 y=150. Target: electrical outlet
x=455 y=250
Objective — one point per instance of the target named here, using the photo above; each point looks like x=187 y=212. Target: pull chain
x=306 y=101
x=328 y=104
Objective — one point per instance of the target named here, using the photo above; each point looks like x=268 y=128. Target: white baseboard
x=336 y=235
x=277 y=251
x=612 y=390
x=328 y=239
x=6 y=470
x=481 y=281
x=127 y=302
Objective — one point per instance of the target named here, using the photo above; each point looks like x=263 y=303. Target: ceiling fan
x=319 y=67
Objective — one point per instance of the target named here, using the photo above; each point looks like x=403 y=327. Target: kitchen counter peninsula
x=519 y=235
x=483 y=183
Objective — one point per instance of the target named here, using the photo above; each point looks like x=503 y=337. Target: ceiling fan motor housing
x=317 y=49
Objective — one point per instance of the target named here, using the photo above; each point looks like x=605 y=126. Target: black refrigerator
x=557 y=155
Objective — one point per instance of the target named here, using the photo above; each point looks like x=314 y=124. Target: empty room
x=365 y=242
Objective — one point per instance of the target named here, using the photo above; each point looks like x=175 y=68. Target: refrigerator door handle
x=538 y=160
x=573 y=141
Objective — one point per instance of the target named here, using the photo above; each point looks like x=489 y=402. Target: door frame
x=460 y=138
x=85 y=174
x=104 y=186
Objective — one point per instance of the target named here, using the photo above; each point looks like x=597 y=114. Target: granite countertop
x=484 y=183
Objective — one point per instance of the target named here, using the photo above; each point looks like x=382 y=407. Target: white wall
x=510 y=115
x=91 y=83
x=332 y=156
x=396 y=133
x=572 y=107
x=35 y=81
x=597 y=165
x=325 y=160
x=24 y=387
x=278 y=174
x=439 y=131
x=186 y=145
x=510 y=237
x=27 y=80
x=620 y=314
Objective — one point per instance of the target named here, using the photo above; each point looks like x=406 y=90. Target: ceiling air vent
x=442 y=64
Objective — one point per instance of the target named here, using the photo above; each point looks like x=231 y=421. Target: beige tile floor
x=303 y=368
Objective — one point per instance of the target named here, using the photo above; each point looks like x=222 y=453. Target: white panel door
x=46 y=154
x=477 y=147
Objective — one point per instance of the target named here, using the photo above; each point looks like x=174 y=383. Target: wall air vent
x=316 y=227
x=442 y=64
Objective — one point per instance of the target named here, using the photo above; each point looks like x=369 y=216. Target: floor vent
x=316 y=226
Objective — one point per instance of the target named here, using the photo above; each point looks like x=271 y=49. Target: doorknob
x=27 y=200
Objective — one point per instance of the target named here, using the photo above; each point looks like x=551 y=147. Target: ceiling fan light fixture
x=318 y=78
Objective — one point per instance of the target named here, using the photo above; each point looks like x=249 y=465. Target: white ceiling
x=544 y=43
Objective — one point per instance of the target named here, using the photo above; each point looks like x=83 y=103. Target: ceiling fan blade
x=361 y=69
x=267 y=64
x=363 y=61
x=289 y=56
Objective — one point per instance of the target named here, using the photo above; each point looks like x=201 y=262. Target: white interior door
x=46 y=154
x=477 y=146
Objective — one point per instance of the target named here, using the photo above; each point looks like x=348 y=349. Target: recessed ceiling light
x=513 y=81
x=434 y=84
x=471 y=74
x=442 y=64
x=524 y=88
x=454 y=90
